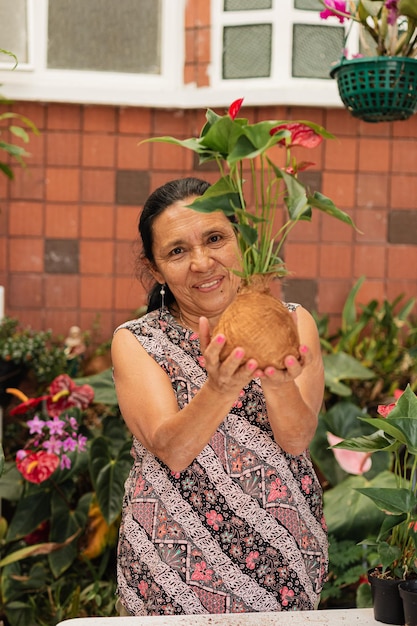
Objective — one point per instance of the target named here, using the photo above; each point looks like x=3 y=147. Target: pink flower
x=56 y=426
x=301 y=135
x=251 y=559
x=393 y=12
x=286 y=595
x=201 y=572
x=213 y=519
x=350 y=461
x=143 y=588
x=235 y=108
x=36 y=426
x=331 y=7
x=385 y=409
x=278 y=490
x=36 y=467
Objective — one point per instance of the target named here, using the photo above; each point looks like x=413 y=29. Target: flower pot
x=408 y=593
x=378 y=89
x=386 y=599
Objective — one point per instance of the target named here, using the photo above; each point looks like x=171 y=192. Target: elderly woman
x=222 y=510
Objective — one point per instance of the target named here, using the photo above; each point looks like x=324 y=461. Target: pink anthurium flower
x=65 y=394
x=385 y=409
x=350 y=461
x=235 y=108
x=36 y=467
x=301 y=135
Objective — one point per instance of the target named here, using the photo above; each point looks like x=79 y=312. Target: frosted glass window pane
x=13 y=31
x=308 y=5
x=247 y=51
x=105 y=35
x=315 y=48
x=246 y=5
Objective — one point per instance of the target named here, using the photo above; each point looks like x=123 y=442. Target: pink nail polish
x=251 y=366
x=290 y=361
x=239 y=354
x=220 y=339
x=303 y=349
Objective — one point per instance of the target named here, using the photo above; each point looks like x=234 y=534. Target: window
x=99 y=50
x=282 y=47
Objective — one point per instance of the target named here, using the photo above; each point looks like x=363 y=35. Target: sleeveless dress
x=239 y=530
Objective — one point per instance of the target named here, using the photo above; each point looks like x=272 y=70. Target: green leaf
x=31 y=510
x=20 y=132
x=103 y=385
x=11 y=483
x=395 y=501
x=221 y=196
x=7 y=170
x=368 y=443
x=109 y=473
x=342 y=366
x=249 y=234
x=349 y=310
x=323 y=203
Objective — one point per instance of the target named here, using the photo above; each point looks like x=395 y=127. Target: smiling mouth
x=209 y=284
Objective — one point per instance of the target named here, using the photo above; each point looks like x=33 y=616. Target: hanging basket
x=378 y=89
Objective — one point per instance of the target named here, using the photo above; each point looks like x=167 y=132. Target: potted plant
x=260 y=191
x=380 y=82
x=24 y=350
x=396 y=542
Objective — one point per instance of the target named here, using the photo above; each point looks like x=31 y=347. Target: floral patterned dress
x=239 y=530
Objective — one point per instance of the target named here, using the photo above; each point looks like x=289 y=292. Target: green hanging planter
x=378 y=89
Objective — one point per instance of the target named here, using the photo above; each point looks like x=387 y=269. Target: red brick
x=332 y=295
x=3 y=259
x=61 y=320
x=373 y=224
x=26 y=218
x=98 y=185
x=101 y=325
x=404 y=156
x=62 y=221
x=190 y=46
x=341 y=188
x=96 y=293
x=334 y=230
x=97 y=221
x=62 y=184
x=28 y=317
x=370 y=261
x=124 y=259
x=372 y=190
x=174 y=122
x=371 y=290
x=34 y=111
x=61 y=291
x=99 y=118
x=131 y=155
x=169 y=157
x=335 y=261
x=98 y=150
x=301 y=259
x=25 y=291
x=341 y=154
x=402 y=262
x=203 y=45
x=28 y=184
x=96 y=257
x=203 y=12
x=63 y=148
x=374 y=155
x=340 y=123
x=127 y=219
x=135 y=120
x=129 y=294
x=64 y=116
x=26 y=255
x=403 y=191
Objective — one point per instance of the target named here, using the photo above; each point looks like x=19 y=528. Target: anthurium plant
x=386 y=27
x=258 y=175
x=61 y=491
x=396 y=433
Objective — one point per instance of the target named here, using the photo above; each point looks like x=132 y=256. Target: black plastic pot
x=408 y=594
x=386 y=599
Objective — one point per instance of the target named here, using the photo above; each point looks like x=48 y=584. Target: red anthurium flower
x=36 y=467
x=350 y=461
x=65 y=394
x=301 y=135
x=39 y=535
x=24 y=407
x=299 y=167
x=235 y=108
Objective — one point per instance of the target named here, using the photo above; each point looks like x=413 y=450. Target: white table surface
x=333 y=617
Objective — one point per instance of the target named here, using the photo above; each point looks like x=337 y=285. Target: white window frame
x=280 y=87
x=34 y=81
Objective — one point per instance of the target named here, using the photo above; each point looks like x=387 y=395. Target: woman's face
x=193 y=254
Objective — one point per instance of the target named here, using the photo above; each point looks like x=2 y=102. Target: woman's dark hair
x=159 y=200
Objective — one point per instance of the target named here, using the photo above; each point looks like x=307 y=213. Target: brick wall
x=68 y=221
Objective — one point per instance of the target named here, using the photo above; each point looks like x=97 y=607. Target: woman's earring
x=162 y=292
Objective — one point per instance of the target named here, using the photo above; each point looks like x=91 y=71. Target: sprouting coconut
x=257 y=321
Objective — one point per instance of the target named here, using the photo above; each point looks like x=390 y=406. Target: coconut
x=261 y=325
